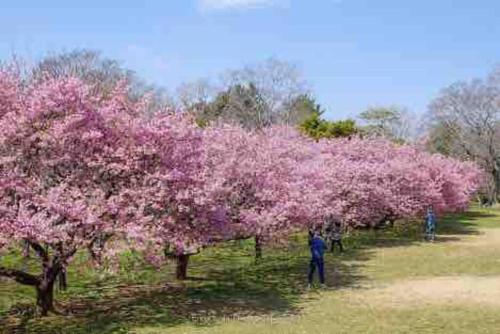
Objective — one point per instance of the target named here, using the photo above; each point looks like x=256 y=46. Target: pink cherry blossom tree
x=64 y=164
x=80 y=171
x=260 y=173
x=276 y=181
x=371 y=181
x=177 y=206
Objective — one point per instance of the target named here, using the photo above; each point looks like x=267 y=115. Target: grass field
x=387 y=282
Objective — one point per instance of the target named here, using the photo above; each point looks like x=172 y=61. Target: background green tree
x=316 y=127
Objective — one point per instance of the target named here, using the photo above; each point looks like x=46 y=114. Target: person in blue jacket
x=318 y=247
x=430 y=224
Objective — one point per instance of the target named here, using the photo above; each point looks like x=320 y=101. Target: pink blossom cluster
x=66 y=162
x=76 y=168
x=279 y=181
x=371 y=181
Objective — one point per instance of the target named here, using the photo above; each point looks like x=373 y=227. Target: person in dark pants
x=334 y=233
x=336 y=236
x=310 y=236
x=318 y=247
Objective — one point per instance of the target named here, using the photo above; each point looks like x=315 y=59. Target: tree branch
x=41 y=252
x=19 y=276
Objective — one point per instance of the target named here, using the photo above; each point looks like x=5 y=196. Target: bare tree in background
x=254 y=96
x=242 y=104
x=101 y=73
x=88 y=65
x=392 y=122
x=195 y=96
x=466 y=123
x=276 y=83
x=300 y=109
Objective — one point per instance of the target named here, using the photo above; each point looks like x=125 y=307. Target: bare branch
x=19 y=276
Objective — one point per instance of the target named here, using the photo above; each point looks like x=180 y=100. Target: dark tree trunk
x=52 y=268
x=258 y=247
x=43 y=284
x=45 y=297
x=63 y=280
x=182 y=266
x=26 y=249
x=496 y=180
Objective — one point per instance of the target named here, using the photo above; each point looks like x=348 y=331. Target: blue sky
x=353 y=53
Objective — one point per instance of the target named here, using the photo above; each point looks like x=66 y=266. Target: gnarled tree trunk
x=63 y=280
x=258 y=247
x=182 y=266
x=43 y=284
x=45 y=297
x=45 y=288
x=52 y=267
x=496 y=180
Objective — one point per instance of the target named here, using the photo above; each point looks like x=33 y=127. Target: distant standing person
x=318 y=247
x=334 y=233
x=336 y=236
x=430 y=224
x=310 y=236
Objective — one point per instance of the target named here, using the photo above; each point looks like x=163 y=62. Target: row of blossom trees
x=83 y=171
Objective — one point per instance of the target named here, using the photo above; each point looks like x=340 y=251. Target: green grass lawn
x=388 y=281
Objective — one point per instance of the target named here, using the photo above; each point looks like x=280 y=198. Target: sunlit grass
x=228 y=292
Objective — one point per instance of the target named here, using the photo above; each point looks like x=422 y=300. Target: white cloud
x=237 y=4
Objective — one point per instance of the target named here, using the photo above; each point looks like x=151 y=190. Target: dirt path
x=439 y=290
x=445 y=290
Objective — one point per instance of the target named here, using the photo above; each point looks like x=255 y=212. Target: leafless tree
x=468 y=115
x=195 y=96
x=268 y=89
x=102 y=74
x=87 y=65
x=392 y=122
x=254 y=96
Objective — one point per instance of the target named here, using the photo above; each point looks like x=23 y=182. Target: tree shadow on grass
x=227 y=284
x=450 y=228
x=465 y=223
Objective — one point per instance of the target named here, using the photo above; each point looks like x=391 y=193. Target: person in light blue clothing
x=318 y=247
x=430 y=224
